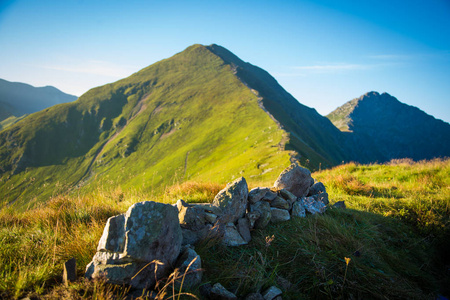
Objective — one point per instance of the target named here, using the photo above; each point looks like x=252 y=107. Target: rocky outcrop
x=232 y=200
x=296 y=180
x=138 y=247
x=144 y=244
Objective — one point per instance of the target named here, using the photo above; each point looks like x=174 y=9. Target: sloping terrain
x=381 y=128
x=18 y=99
x=183 y=118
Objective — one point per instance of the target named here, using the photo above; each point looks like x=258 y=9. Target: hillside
x=394 y=231
x=382 y=128
x=18 y=99
x=160 y=126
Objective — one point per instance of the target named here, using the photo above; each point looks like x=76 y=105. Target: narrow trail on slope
x=140 y=107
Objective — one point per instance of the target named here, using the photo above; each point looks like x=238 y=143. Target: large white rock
x=295 y=179
x=147 y=232
x=232 y=200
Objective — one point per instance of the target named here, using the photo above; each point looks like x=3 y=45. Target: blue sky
x=323 y=52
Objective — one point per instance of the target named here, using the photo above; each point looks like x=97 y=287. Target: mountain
x=202 y=115
x=381 y=128
x=18 y=99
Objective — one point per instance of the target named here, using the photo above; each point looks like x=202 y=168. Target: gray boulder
x=232 y=200
x=298 y=210
x=279 y=215
x=231 y=236
x=340 y=204
x=263 y=208
x=271 y=293
x=252 y=217
x=322 y=197
x=243 y=228
x=279 y=202
x=288 y=196
x=312 y=206
x=317 y=188
x=193 y=275
x=190 y=216
x=133 y=243
x=218 y=292
x=257 y=194
x=295 y=179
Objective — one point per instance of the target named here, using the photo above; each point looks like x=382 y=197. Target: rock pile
x=152 y=239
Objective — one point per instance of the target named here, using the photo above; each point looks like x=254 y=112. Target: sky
x=324 y=52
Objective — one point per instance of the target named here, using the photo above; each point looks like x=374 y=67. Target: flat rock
x=312 y=206
x=295 y=179
x=279 y=202
x=340 y=204
x=232 y=200
x=263 y=208
x=243 y=228
x=190 y=216
x=317 y=188
x=279 y=215
x=298 y=210
x=271 y=293
x=220 y=293
x=189 y=265
x=257 y=194
x=232 y=237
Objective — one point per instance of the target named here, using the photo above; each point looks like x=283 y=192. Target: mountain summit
x=201 y=115
x=383 y=128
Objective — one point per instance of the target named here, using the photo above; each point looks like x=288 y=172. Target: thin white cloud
x=334 y=67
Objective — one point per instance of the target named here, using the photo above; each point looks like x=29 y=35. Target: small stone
x=257 y=194
x=210 y=217
x=288 y=195
x=70 y=271
x=269 y=196
x=298 y=210
x=254 y=296
x=263 y=208
x=220 y=293
x=271 y=293
x=243 y=228
x=283 y=283
x=279 y=202
x=322 y=197
x=340 y=204
x=193 y=275
x=252 y=217
x=317 y=188
x=232 y=237
x=279 y=215
x=312 y=206
x=190 y=216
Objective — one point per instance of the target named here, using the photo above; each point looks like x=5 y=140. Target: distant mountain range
x=201 y=115
x=381 y=128
x=18 y=99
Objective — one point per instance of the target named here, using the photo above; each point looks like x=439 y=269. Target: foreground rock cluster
x=152 y=239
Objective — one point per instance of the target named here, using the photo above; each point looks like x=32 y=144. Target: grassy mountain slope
x=18 y=99
x=395 y=232
x=184 y=118
x=381 y=128
x=312 y=136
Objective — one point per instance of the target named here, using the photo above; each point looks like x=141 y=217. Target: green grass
x=395 y=231
x=159 y=127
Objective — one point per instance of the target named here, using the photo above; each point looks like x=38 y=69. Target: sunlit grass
x=393 y=230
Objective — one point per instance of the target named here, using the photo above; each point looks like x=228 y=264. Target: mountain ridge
x=201 y=115
x=18 y=99
x=391 y=129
